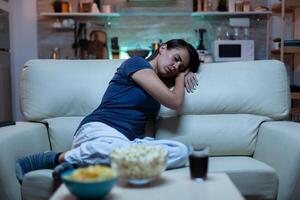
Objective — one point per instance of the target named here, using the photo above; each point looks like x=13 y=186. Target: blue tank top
x=125 y=106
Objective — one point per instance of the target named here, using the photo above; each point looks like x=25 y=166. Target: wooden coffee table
x=173 y=184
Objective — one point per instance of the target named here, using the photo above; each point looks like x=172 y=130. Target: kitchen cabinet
x=118 y=24
x=290 y=54
x=79 y=28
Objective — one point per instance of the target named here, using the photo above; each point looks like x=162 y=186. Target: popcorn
x=139 y=161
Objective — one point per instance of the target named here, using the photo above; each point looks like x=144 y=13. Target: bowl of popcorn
x=139 y=164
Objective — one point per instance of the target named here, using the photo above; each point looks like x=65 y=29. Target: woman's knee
x=179 y=150
x=178 y=155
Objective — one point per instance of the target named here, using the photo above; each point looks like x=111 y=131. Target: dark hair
x=178 y=44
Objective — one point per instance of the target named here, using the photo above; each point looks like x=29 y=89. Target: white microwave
x=233 y=50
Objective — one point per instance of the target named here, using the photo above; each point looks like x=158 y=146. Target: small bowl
x=88 y=189
x=138 y=52
x=139 y=164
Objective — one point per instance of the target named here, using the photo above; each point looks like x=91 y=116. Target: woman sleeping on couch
x=134 y=95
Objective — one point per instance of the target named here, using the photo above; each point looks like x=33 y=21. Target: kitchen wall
x=140 y=31
x=24 y=42
x=288 y=35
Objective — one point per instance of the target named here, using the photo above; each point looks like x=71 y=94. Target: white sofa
x=238 y=108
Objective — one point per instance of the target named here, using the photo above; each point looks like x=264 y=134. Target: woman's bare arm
x=151 y=83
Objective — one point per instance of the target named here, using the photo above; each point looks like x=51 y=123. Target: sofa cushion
x=252 y=87
x=230 y=134
x=37 y=185
x=17 y=141
x=61 y=131
x=60 y=88
x=253 y=178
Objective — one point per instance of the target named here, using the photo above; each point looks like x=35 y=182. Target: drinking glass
x=198 y=158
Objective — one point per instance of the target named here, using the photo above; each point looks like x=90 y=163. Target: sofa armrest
x=278 y=144
x=15 y=142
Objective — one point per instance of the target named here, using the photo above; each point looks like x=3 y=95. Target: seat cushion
x=37 y=185
x=16 y=141
x=61 y=131
x=227 y=134
x=253 y=178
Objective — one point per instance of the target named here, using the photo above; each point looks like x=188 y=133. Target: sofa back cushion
x=251 y=87
x=60 y=88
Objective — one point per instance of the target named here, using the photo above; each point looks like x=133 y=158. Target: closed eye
x=178 y=59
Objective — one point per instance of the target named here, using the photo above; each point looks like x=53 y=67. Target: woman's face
x=171 y=62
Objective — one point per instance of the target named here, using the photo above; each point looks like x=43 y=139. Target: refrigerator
x=5 y=74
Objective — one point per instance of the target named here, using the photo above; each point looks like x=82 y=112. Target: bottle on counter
x=205 y=5
x=65 y=6
x=55 y=53
x=115 y=49
x=85 y=6
x=57 y=6
x=99 y=4
x=195 y=5
x=210 y=5
x=246 y=6
x=231 y=5
x=239 y=5
x=200 y=5
x=222 y=5
x=202 y=51
x=246 y=33
x=219 y=33
x=237 y=33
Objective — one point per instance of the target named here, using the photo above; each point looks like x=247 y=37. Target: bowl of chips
x=139 y=164
x=90 y=182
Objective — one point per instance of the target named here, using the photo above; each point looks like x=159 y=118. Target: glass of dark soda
x=198 y=158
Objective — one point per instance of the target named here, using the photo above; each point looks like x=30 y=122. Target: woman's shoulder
x=134 y=64
x=137 y=60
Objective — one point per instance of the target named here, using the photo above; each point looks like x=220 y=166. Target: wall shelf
x=202 y=14
x=276 y=9
x=80 y=15
x=154 y=14
x=290 y=50
x=295 y=95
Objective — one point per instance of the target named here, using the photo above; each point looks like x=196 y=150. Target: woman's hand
x=190 y=81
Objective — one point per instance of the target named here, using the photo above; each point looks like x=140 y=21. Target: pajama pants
x=94 y=141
